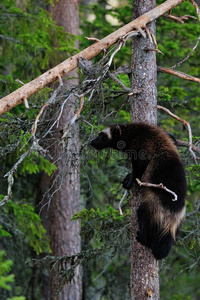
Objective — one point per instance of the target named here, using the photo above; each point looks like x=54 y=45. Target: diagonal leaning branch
x=71 y=63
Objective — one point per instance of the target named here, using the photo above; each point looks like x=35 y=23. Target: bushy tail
x=152 y=235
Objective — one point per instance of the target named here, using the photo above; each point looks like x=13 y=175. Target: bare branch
x=24 y=99
x=153 y=49
x=59 y=116
x=179 y=19
x=75 y=116
x=196 y=7
x=152 y=40
x=122 y=70
x=186 y=58
x=195 y=210
x=35 y=147
x=113 y=54
x=155 y=43
x=185 y=123
x=26 y=103
x=186 y=144
x=19 y=81
x=50 y=101
x=125 y=88
x=149 y=34
x=178 y=74
x=127 y=70
x=71 y=63
x=92 y=39
x=121 y=201
x=159 y=186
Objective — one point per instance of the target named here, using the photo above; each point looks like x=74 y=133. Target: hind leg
x=144 y=234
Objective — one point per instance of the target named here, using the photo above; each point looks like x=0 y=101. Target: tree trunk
x=144 y=268
x=65 y=238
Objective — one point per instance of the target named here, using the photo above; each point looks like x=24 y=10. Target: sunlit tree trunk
x=65 y=238
x=144 y=268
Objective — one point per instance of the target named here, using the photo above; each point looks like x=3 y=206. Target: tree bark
x=144 y=268
x=65 y=234
x=71 y=63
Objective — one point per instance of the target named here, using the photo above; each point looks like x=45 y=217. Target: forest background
x=31 y=43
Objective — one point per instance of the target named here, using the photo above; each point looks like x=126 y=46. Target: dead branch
x=127 y=70
x=59 y=116
x=186 y=144
x=149 y=34
x=92 y=39
x=50 y=101
x=153 y=49
x=35 y=147
x=122 y=70
x=195 y=210
x=152 y=41
x=159 y=186
x=125 y=88
x=196 y=7
x=75 y=116
x=26 y=103
x=113 y=54
x=185 y=123
x=71 y=63
x=155 y=43
x=121 y=201
x=179 y=19
x=186 y=58
x=19 y=81
x=25 y=99
x=178 y=74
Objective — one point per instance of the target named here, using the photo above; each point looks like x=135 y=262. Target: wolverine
x=155 y=159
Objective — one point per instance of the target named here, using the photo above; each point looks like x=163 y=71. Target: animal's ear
x=116 y=130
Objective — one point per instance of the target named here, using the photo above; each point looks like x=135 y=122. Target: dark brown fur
x=155 y=159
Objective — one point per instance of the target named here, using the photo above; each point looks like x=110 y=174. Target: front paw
x=128 y=181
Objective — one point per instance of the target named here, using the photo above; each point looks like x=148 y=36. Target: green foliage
x=35 y=164
x=176 y=41
x=105 y=236
x=17 y=298
x=4 y=233
x=5 y=267
x=5 y=279
x=181 y=297
x=28 y=39
x=194 y=178
x=29 y=224
x=110 y=214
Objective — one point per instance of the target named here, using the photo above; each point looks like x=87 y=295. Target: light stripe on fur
x=107 y=131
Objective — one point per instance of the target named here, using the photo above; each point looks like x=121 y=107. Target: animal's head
x=107 y=138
